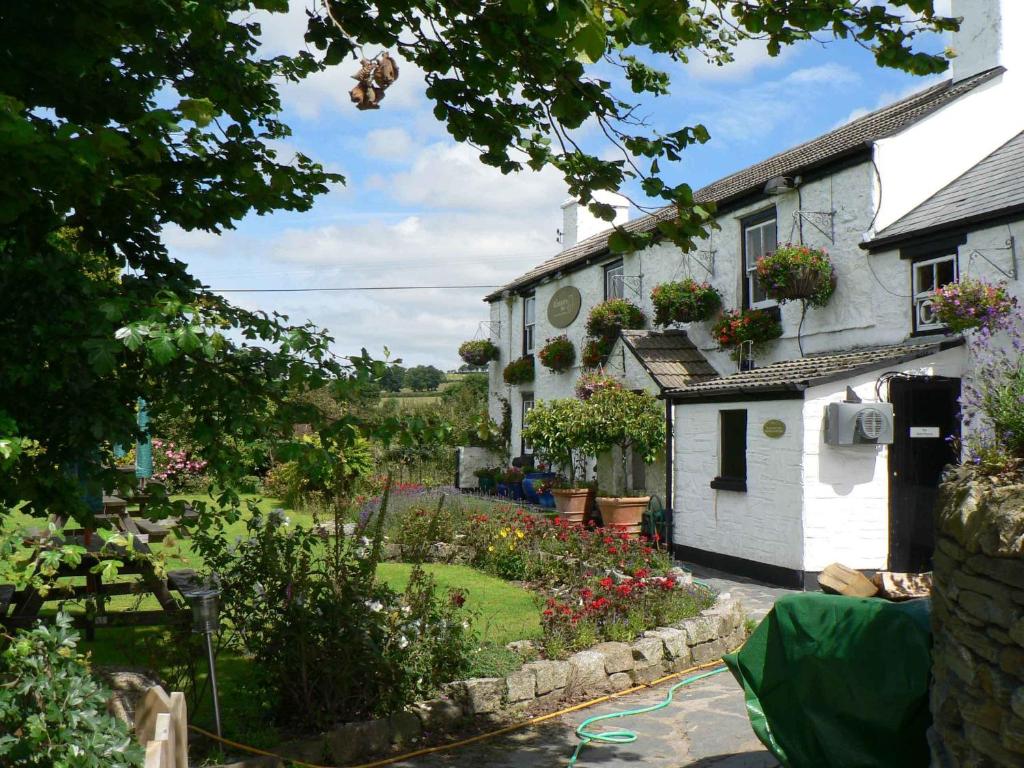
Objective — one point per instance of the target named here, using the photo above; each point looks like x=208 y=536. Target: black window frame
x=526 y=397
x=755 y=219
x=732 y=450
x=617 y=264
x=529 y=329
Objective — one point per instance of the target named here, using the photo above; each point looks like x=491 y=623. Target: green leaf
x=199 y=111
x=590 y=41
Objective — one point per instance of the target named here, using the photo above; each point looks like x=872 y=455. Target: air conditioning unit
x=858 y=424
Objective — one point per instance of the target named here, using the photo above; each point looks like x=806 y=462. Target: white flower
x=403 y=641
x=375 y=605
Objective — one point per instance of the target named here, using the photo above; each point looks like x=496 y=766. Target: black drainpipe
x=669 y=440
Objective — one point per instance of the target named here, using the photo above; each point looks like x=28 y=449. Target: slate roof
x=669 y=357
x=830 y=147
x=794 y=376
x=991 y=188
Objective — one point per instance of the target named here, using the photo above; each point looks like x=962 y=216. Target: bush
x=739 y=325
x=796 y=272
x=52 y=712
x=595 y=351
x=609 y=318
x=296 y=480
x=558 y=354
x=479 y=352
x=519 y=371
x=175 y=467
x=970 y=304
x=684 y=302
x=331 y=643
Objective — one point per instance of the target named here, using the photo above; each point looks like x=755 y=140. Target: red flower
x=607 y=582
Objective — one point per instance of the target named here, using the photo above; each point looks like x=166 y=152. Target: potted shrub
x=486 y=479
x=519 y=371
x=512 y=479
x=609 y=318
x=629 y=421
x=685 y=301
x=797 y=272
x=478 y=352
x=737 y=326
x=595 y=351
x=558 y=354
x=972 y=304
x=557 y=431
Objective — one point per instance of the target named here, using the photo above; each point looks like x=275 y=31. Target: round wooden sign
x=774 y=428
x=564 y=306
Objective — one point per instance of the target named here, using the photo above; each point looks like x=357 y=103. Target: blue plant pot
x=547 y=500
x=516 y=491
x=503 y=489
x=531 y=485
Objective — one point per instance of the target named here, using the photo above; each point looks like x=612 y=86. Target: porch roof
x=790 y=378
x=671 y=359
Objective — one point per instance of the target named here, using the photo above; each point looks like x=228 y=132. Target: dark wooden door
x=926 y=415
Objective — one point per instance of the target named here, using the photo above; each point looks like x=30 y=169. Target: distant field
x=409 y=398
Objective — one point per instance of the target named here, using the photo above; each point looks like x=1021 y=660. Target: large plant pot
x=486 y=484
x=623 y=513
x=571 y=504
x=515 y=491
x=531 y=483
x=502 y=489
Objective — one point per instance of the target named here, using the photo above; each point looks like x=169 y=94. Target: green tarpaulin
x=839 y=681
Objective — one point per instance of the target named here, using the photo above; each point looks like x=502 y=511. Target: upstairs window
x=759 y=239
x=613 y=279
x=529 y=323
x=928 y=275
x=732 y=451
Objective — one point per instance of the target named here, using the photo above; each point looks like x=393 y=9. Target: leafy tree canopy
x=424 y=378
x=120 y=118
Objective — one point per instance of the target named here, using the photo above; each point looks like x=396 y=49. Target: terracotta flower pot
x=623 y=513
x=571 y=503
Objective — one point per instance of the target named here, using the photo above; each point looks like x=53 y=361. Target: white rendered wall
x=764 y=524
x=846 y=488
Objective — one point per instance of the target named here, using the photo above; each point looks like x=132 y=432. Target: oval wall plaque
x=564 y=306
x=774 y=428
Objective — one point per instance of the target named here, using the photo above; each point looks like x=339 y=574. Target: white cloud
x=389 y=144
x=830 y=74
x=749 y=57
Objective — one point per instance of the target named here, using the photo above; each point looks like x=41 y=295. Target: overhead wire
x=351 y=288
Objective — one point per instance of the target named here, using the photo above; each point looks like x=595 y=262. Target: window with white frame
x=759 y=239
x=527 y=407
x=928 y=275
x=613 y=280
x=529 y=323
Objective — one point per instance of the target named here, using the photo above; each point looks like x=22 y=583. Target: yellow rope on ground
x=471 y=739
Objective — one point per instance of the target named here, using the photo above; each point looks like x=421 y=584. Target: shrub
x=331 y=643
x=479 y=352
x=972 y=303
x=553 y=428
x=52 y=712
x=558 y=354
x=797 y=272
x=175 y=467
x=739 y=325
x=609 y=318
x=684 y=302
x=595 y=351
x=629 y=421
x=519 y=371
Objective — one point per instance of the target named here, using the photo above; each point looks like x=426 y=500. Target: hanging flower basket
x=685 y=301
x=519 y=371
x=593 y=382
x=478 y=352
x=609 y=318
x=595 y=352
x=797 y=272
x=558 y=354
x=971 y=304
x=741 y=325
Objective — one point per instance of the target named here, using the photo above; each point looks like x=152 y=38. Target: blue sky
x=417 y=209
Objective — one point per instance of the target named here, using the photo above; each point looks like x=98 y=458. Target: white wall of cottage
x=763 y=524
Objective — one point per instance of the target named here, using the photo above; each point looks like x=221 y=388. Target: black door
x=926 y=415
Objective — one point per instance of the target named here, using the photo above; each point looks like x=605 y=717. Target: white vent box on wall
x=858 y=424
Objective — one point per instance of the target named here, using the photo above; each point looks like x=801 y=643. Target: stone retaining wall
x=977 y=695
x=605 y=668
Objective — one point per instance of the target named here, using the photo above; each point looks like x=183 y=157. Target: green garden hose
x=625 y=736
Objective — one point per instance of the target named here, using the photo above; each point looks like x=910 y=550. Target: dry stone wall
x=977 y=695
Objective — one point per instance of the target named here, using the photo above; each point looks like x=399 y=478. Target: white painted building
x=874 y=194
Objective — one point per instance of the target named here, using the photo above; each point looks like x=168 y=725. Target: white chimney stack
x=989 y=36
x=578 y=223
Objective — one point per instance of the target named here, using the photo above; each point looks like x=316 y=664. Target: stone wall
x=538 y=685
x=977 y=695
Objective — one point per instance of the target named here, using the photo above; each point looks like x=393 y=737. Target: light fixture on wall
x=779 y=185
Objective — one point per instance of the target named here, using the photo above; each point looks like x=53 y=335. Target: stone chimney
x=578 y=223
x=990 y=36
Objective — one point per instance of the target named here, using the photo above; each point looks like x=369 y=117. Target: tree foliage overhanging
x=120 y=119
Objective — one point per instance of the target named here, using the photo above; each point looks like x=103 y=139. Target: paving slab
x=757 y=597
x=705 y=726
